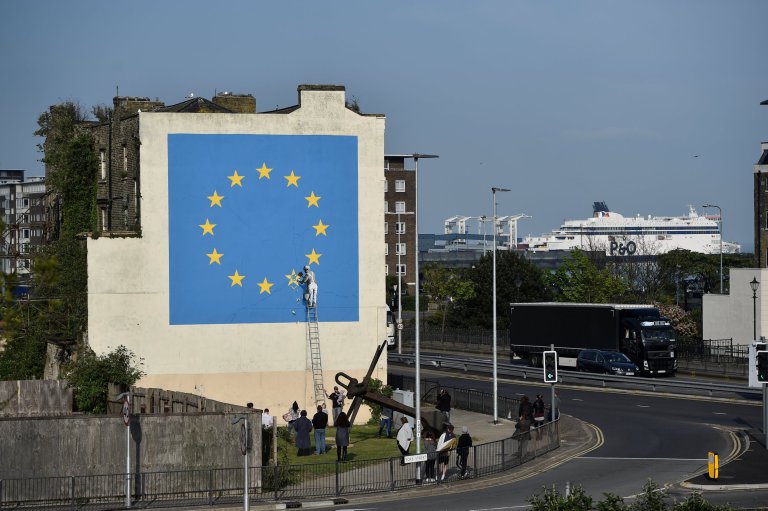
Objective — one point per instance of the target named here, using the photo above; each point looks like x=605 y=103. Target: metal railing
x=282 y=482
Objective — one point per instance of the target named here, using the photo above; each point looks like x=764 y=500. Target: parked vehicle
x=605 y=362
x=638 y=331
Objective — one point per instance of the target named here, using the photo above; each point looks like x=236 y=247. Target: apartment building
x=399 y=219
x=23 y=214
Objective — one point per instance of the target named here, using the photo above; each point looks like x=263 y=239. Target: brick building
x=23 y=214
x=761 y=205
x=400 y=222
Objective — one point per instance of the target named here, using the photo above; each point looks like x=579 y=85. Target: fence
x=285 y=482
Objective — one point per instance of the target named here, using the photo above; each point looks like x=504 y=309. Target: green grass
x=364 y=444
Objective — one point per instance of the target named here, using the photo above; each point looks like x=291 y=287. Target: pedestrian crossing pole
x=552 y=393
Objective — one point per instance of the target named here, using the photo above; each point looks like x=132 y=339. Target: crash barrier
x=284 y=482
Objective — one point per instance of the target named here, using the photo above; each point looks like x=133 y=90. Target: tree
x=578 y=280
x=57 y=308
x=517 y=280
x=90 y=375
x=446 y=287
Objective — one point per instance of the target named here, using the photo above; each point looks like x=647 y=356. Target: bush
x=90 y=374
x=377 y=385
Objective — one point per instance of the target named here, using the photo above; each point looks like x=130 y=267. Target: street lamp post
x=417 y=392
x=495 y=361
x=754 y=285
x=400 y=280
x=720 y=213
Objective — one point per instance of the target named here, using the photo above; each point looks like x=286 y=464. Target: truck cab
x=649 y=341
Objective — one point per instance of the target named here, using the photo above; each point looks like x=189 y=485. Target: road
x=665 y=438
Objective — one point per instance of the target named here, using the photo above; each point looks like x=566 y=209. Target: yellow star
x=314 y=257
x=208 y=227
x=265 y=286
x=320 y=228
x=236 y=180
x=236 y=279
x=312 y=200
x=293 y=279
x=264 y=171
x=293 y=179
x=215 y=257
x=215 y=199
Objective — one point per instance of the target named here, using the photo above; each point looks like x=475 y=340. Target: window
x=103 y=219
x=400 y=207
x=25 y=203
x=386 y=227
x=400 y=248
x=401 y=269
x=386 y=186
x=386 y=206
x=400 y=185
x=386 y=270
x=400 y=228
x=103 y=163
x=125 y=159
x=25 y=233
x=386 y=249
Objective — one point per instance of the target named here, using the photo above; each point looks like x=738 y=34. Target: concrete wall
x=35 y=397
x=731 y=316
x=267 y=364
x=88 y=445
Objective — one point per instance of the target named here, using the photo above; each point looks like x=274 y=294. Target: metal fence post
x=338 y=487
x=210 y=487
x=274 y=480
x=71 y=490
x=391 y=475
x=503 y=454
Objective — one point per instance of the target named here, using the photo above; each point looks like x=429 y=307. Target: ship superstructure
x=618 y=235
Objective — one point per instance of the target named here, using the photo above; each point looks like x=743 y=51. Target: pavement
x=746 y=469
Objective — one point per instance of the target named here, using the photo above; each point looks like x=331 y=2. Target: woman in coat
x=342 y=436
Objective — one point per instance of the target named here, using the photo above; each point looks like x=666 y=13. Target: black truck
x=638 y=331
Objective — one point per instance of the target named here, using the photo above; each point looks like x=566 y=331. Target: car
x=605 y=362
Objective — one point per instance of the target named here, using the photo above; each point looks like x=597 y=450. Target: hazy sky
x=564 y=102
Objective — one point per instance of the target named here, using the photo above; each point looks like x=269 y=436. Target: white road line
x=640 y=459
x=719 y=413
x=643 y=406
x=576 y=399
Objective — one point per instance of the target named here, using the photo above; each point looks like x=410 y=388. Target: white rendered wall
x=731 y=316
x=267 y=364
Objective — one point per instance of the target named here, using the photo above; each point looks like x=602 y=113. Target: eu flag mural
x=247 y=213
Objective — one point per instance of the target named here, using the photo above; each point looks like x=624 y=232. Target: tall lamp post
x=720 y=213
x=495 y=362
x=417 y=391
x=400 y=279
x=754 y=285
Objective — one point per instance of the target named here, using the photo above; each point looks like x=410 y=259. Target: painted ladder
x=313 y=335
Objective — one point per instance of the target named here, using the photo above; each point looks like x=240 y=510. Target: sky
x=649 y=106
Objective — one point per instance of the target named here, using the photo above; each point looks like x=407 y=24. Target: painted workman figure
x=308 y=278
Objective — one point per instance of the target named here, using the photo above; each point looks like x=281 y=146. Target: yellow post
x=713 y=463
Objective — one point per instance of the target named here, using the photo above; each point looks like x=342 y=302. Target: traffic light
x=550 y=366
x=761 y=360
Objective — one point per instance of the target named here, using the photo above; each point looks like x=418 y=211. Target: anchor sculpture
x=430 y=420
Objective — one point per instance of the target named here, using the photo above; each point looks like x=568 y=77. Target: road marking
x=719 y=413
x=643 y=406
x=640 y=459
x=576 y=399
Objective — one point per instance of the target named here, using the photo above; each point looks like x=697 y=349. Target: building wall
x=397 y=171
x=761 y=208
x=266 y=363
x=731 y=316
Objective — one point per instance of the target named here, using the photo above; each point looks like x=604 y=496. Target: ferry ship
x=618 y=235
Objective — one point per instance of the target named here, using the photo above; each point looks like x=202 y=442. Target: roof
x=196 y=105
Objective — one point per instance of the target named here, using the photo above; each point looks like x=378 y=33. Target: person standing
x=303 y=427
x=444 y=404
x=337 y=402
x=445 y=443
x=462 y=450
x=430 y=446
x=385 y=422
x=266 y=419
x=525 y=408
x=342 y=437
x=539 y=410
x=523 y=434
x=319 y=422
x=291 y=416
x=404 y=439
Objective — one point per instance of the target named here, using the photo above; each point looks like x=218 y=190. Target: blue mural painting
x=247 y=212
